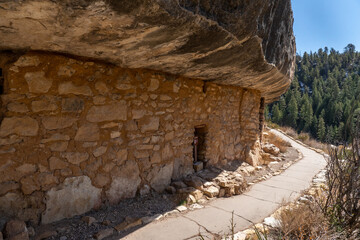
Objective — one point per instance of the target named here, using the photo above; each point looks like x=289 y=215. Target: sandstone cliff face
x=244 y=43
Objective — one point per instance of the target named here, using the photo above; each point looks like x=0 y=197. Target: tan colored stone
x=271 y=148
x=75 y=157
x=99 y=100
x=211 y=191
x=23 y=126
x=26 y=168
x=112 y=125
x=17 y=107
x=52 y=123
x=6 y=187
x=131 y=126
x=56 y=163
x=70 y=88
x=88 y=132
x=155 y=158
x=121 y=227
x=58 y=146
x=167 y=152
x=27 y=61
x=13 y=139
x=197 y=194
x=56 y=137
x=125 y=181
x=89 y=220
x=29 y=185
x=115 y=134
x=169 y=136
x=141 y=154
x=43 y=105
x=99 y=151
x=46 y=180
x=66 y=71
x=14 y=228
x=138 y=113
x=101 y=87
x=37 y=82
x=165 y=98
x=115 y=111
x=74 y=196
x=108 y=167
x=154 y=84
x=150 y=124
x=122 y=155
x=101 y=180
x=104 y=233
x=73 y=104
x=89 y=144
x=160 y=176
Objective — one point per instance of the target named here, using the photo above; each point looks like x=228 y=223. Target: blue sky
x=331 y=23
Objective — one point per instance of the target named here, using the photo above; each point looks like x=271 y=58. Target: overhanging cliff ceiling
x=247 y=43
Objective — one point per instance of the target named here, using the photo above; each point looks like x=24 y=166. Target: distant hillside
x=324 y=97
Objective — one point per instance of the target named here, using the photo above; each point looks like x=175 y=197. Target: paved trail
x=252 y=207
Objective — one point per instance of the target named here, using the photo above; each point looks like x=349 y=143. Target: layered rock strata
x=242 y=43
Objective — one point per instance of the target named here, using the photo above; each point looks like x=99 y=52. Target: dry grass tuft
x=277 y=141
x=305 y=138
x=303 y=221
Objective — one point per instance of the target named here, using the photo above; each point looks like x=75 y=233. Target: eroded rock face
x=75 y=196
x=243 y=43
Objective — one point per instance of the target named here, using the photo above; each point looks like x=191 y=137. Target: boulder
x=75 y=196
x=125 y=182
x=16 y=229
x=271 y=148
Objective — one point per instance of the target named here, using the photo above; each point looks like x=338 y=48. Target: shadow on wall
x=1 y=92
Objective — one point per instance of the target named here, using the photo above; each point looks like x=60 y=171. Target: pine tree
x=321 y=129
x=326 y=91
x=277 y=114
x=292 y=112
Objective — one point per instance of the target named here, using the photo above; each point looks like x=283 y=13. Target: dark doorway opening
x=1 y=82
x=1 y=92
x=200 y=147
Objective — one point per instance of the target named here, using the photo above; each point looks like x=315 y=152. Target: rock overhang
x=242 y=43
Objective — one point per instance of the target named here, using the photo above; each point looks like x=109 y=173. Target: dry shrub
x=304 y=221
x=277 y=141
x=342 y=204
x=289 y=131
x=303 y=137
x=306 y=139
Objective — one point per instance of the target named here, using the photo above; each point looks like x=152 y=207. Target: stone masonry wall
x=77 y=134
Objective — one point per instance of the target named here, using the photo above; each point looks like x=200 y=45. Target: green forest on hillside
x=324 y=96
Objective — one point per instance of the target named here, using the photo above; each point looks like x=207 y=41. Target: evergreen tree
x=323 y=95
x=292 y=112
x=321 y=129
x=277 y=115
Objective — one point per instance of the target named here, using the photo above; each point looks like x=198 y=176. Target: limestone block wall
x=77 y=134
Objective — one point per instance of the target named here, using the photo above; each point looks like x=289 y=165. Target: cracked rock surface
x=243 y=43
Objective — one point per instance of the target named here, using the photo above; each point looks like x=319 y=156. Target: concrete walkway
x=252 y=207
